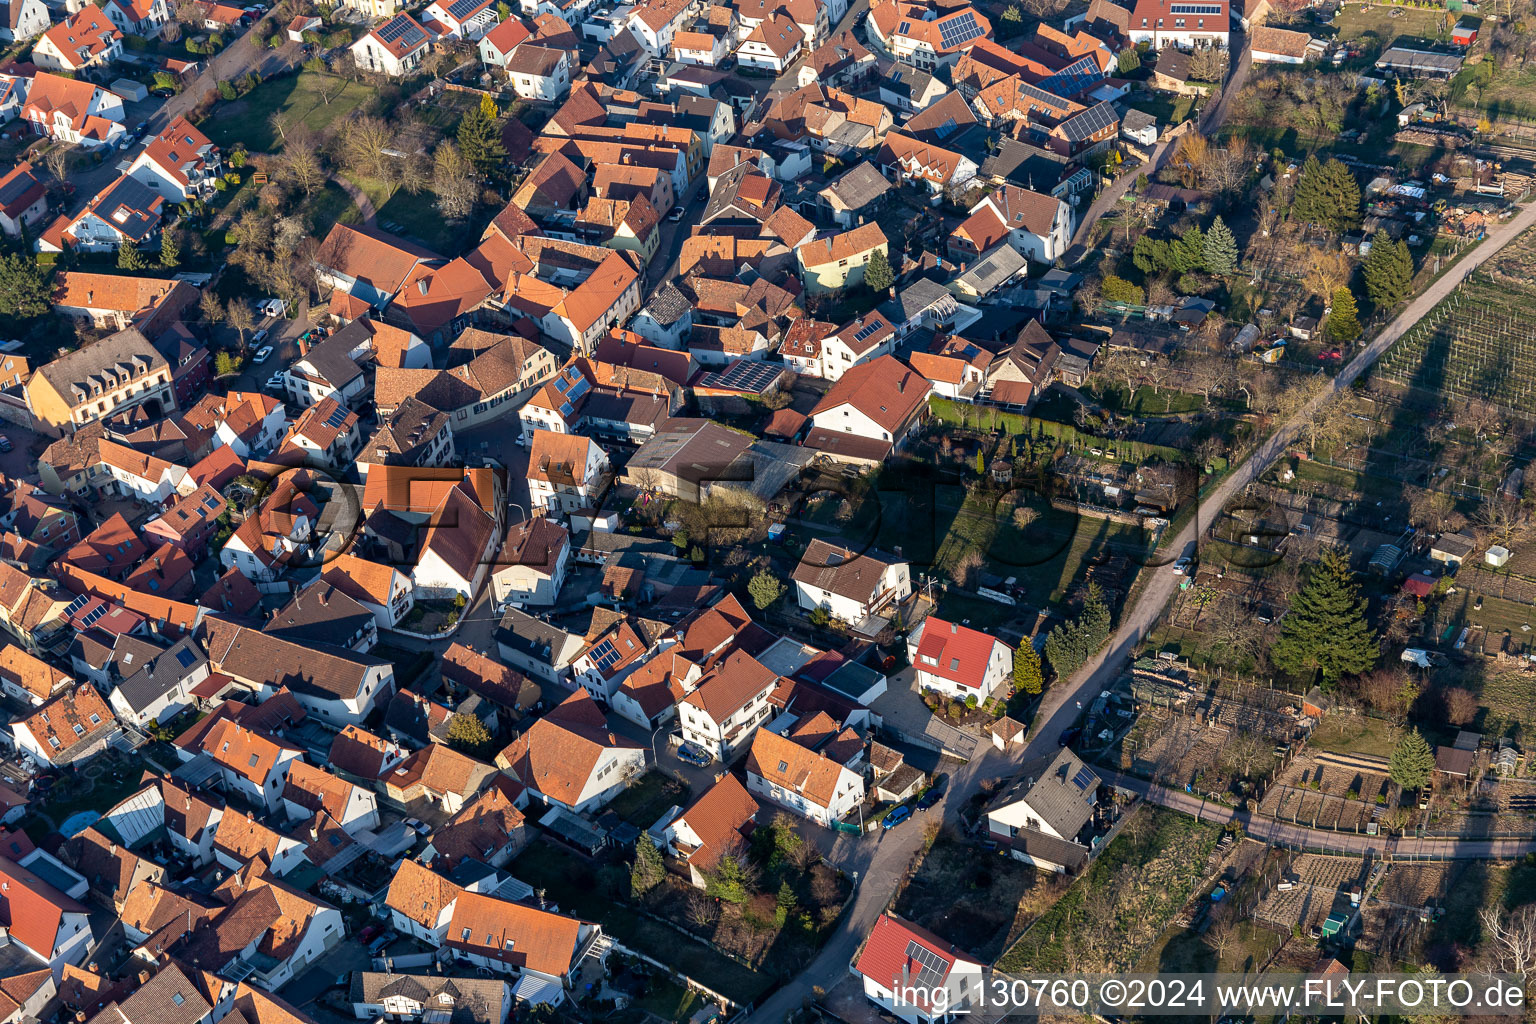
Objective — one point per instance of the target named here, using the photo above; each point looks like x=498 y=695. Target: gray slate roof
x=1050 y=785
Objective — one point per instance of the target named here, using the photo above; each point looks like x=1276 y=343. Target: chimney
x=422 y=286
x=143 y=977
x=954 y=627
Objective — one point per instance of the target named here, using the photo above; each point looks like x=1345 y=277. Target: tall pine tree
x=1027 y=675
x=1220 y=248
x=480 y=137
x=1327 y=195
x=1411 y=762
x=877 y=272
x=1344 y=317
x=1388 y=271
x=1325 y=630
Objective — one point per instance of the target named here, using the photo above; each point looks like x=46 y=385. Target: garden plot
x=1317 y=883
x=1413 y=885
x=1323 y=793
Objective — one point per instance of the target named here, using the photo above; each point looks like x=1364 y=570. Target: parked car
x=276 y=382
x=896 y=816
x=1068 y=737
x=368 y=932
x=262 y=354
x=420 y=827
x=934 y=793
x=5 y=444
x=677 y=214
x=1182 y=566
x=377 y=945
x=694 y=756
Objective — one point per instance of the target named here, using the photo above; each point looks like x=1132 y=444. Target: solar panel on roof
x=1088 y=122
x=959 y=30
x=931 y=968
x=1082 y=778
x=867 y=330
x=946 y=128
x=605 y=655
x=76 y=605
x=337 y=417
x=400 y=30
x=93 y=615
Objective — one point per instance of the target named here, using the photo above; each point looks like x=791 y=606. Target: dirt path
x=364 y=204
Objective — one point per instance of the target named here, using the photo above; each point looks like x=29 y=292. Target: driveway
x=236 y=60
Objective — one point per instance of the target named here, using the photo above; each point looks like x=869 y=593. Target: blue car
x=694 y=756
x=896 y=816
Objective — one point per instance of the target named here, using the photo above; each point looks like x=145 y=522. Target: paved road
x=1285 y=833
x=240 y=57
x=1211 y=120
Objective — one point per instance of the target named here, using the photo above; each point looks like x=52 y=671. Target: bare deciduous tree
x=1509 y=941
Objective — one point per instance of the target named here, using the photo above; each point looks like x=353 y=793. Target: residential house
x=394 y=48
x=727 y=705
x=252 y=763
x=538 y=72
x=1269 y=45
x=74 y=111
x=326 y=433
x=70 y=728
x=502 y=40
x=1038 y=816
x=566 y=472
x=807 y=782
x=320 y=611
x=29 y=679
x=23 y=197
x=378 y=995
x=384 y=590
x=181 y=162
x=907 y=159
x=1025 y=368
x=456 y=549
x=338 y=686
x=490 y=830
x=530 y=567
x=870 y=412
x=1037 y=225
x=914 y=975
x=858 y=194
x=24 y=19
x=284 y=931
x=157 y=686
x=773 y=45
x=716 y=824
x=570 y=759
x=958 y=661
x=368 y=264
x=837 y=262
x=911 y=34
x=533 y=945
x=420 y=902
x=537 y=648
x=190 y=523
x=43 y=921
x=126 y=212
x=86 y=39
x=308 y=791
x=850 y=586
x=440 y=775
x=468 y=20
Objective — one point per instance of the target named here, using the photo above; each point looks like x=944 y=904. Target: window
x=79 y=729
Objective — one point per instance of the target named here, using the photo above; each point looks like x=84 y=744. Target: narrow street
x=1211 y=120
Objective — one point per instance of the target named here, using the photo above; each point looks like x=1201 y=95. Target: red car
x=369 y=932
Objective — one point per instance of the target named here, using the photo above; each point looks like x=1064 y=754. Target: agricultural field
x=1110 y=915
x=1478 y=344
x=975 y=901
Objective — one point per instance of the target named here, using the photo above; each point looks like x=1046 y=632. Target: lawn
x=1118 y=907
x=314 y=99
x=974 y=900
x=1385 y=24
x=646 y=799
x=331 y=206
x=1354 y=734
x=415 y=217
x=1168 y=109
x=1146 y=401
